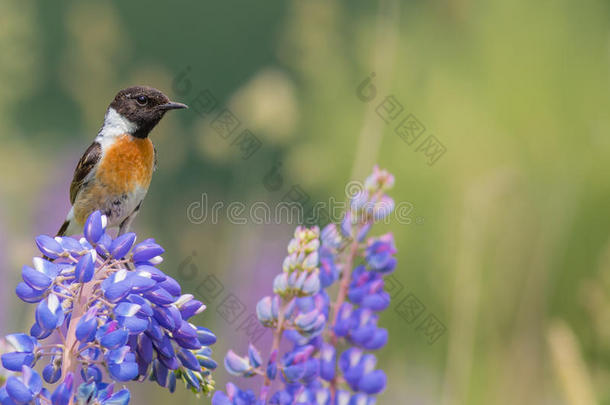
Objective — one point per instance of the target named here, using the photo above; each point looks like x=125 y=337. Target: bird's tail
x=64 y=228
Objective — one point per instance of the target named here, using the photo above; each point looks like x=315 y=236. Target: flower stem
x=346 y=279
x=277 y=337
x=79 y=308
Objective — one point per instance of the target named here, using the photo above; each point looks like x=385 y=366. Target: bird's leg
x=126 y=224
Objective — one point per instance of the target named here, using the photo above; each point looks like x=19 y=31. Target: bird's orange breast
x=126 y=164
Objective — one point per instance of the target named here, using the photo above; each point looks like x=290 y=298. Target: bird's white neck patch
x=115 y=124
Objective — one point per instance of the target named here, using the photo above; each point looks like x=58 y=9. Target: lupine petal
x=86 y=327
x=171 y=383
x=117 y=291
x=94 y=227
x=69 y=244
x=133 y=324
x=145 y=251
x=312 y=284
x=171 y=286
x=86 y=392
x=164 y=317
x=188 y=359
x=145 y=308
x=353 y=375
x=254 y=356
x=186 y=331
x=373 y=383
x=294 y=372
x=51 y=374
x=115 y=339
x=271 y=370
x=191 y=308
x=92 y=373
x=152 y=272
x=312 y=368
x=164 y=346
x=145 y=348
x=122 y=245
x=159 y=296
x=376 y=302
x=15 y=360
x=205 y=336
x=35 y=279
x=357 y=294
x=5 y=398
x=84 y=269
x=171 y=363
x=21 y=342
x=103 y=245
x=328 y=360
x=49 y=313
x=123 y=371
x=49 y=268
x=155 y=331
x=304 y=320
x=192 y=381
x=120 y=398
x=49 y=246
x=220 y=398
x=40 y=333
x=207 y=363
x=263 y=310
x=160 y=373
x=363 y=231
x=379 y=340
x=363 y=334
x=28 y=294
x=105 y=392
x=235 y=364
x=126 y=309
x=140 y=284
x=18 y=391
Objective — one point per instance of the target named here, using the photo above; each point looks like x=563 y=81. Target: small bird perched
x=114 y=173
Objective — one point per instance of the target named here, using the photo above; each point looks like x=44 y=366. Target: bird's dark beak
x=172 y=105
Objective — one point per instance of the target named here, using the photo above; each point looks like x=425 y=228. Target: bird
x=114 y=173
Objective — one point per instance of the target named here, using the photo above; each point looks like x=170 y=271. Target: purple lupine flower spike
x=315 y=370
x=118 y=317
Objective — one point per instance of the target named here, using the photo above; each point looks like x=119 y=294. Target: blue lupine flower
x=49 y=246
x=380 y=253
x=37 y=280
x=25 y=389
x=95 y=393
x=146 y=251
x=126 y=316
x=64 y=391
x=83 y=272
x=52 y=372
x=237 y=365
x=94 y=227
x=24 y=354
x=329 y=273
x=314 y=370
x=234 y=396
x=366 y=289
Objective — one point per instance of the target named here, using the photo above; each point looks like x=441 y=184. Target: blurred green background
x=509 y=240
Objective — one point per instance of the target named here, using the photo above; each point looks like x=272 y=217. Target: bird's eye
x=142 y=100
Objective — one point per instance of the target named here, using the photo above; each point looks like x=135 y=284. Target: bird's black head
x=143 y=107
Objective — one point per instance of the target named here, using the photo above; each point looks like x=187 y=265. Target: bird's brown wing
x=85 y=165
